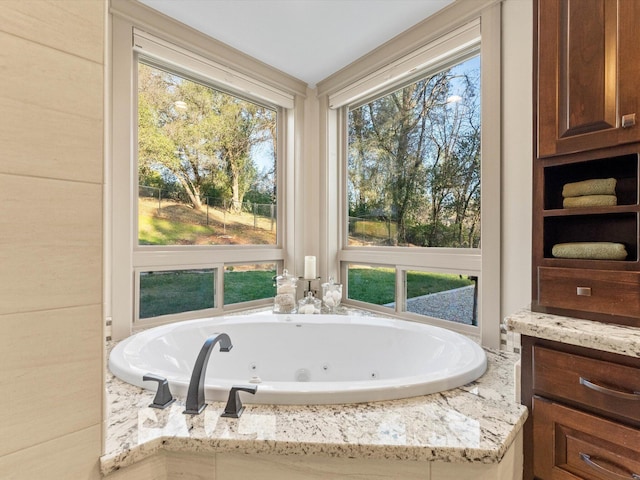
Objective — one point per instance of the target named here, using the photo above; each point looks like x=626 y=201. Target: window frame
x=483 y=262
x=242 y=76
x=141 y=323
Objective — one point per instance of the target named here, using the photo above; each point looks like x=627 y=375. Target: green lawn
x=377 y=285
x=163 y=293
x=249 y=285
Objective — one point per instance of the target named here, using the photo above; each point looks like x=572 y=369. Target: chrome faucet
x=195 y=394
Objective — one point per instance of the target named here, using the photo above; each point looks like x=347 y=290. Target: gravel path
x=454 y=305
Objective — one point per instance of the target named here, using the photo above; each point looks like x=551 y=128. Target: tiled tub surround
x=606 y=337
x=472 y=425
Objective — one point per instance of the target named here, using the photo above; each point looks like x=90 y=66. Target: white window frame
x=141 y=323
x=455 y=36
x=181 y=50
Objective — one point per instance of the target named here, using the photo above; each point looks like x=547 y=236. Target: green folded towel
x=596 y=186
x=590 y=250
x=590 y=201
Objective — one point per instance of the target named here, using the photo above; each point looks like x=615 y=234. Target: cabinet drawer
x=570 y=444
x=601 y=291
x=603 y=387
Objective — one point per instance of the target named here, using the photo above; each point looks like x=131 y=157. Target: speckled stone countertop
x=474 y=423
x=607 y=337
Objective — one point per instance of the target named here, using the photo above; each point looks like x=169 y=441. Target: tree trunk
x=193 y=192
x=236 y=196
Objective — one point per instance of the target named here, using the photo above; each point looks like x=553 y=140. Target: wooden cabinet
x=587 y=63
x=587 y=70
x=585 y=413
x=571 y=444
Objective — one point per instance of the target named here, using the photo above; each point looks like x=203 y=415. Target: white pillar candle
x=309 y=267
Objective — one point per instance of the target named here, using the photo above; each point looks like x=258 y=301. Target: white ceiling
x=308 y=39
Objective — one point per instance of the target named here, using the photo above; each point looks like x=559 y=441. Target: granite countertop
x=606 y=337
x=473 y=423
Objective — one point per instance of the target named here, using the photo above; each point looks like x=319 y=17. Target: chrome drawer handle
x=628 y=120
x=587 y=459
x=610 y=391
x=583 y=291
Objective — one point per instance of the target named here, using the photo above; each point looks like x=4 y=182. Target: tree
x=198 y=135
x=416 y=152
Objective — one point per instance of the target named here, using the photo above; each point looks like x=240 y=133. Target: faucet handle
x=163 y=396
x=234 y=405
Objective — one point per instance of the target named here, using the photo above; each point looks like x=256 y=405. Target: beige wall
x=517 y=48
x=51 y=162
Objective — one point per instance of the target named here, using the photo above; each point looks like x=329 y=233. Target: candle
x=309 y=267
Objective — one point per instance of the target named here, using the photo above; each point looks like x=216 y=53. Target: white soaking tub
x=304 y=359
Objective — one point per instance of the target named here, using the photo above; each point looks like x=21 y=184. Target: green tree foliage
x=198 y=137
x=414 y=159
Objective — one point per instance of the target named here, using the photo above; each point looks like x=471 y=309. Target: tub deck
x=475 y=423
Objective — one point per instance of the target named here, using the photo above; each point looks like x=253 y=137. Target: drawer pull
x=610 y=391
x=583 y=291
x=587 y=459
x=628 y=120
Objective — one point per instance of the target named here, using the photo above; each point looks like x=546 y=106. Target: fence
x=373 y=228
x=214 y=209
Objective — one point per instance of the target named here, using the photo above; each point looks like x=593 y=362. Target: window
x=373 y=284
x=171 y=292
x=206 y=164
x=445 y=296
x=417 y=149
x=206 y=176
x=413 y=163
x=249 y=282
x=198 y=206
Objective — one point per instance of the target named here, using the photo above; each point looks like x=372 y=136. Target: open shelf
x=618 y=228
x=623 y=168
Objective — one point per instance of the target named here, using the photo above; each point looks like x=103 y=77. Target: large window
x=418 y=150
x=414 y=163
x=198 y=203
x=413 y=180
x=206 y=164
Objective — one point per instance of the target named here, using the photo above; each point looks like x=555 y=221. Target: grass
x=180 y=224
x=373 y=228
x=249 y=285
x=377 y=285
x=164 y=293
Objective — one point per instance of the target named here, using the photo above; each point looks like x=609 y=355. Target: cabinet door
x=588 y=63
x=571 y=445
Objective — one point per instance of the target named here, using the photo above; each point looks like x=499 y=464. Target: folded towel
x=590 y=250
x=596 y=186
x=590 y=201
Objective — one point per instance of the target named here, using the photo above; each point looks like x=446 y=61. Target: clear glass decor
x=331 y=294
x=309 y=304
x=285 y=299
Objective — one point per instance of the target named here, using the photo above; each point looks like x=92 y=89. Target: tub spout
x=195 y=394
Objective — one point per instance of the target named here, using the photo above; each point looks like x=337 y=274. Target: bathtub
x=304 y=359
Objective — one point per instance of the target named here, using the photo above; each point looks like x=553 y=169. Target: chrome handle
x=163 y=396
x=628 y=120
x=234 y=406
x=587 y=459
x=610 y=391
x=583 y=291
